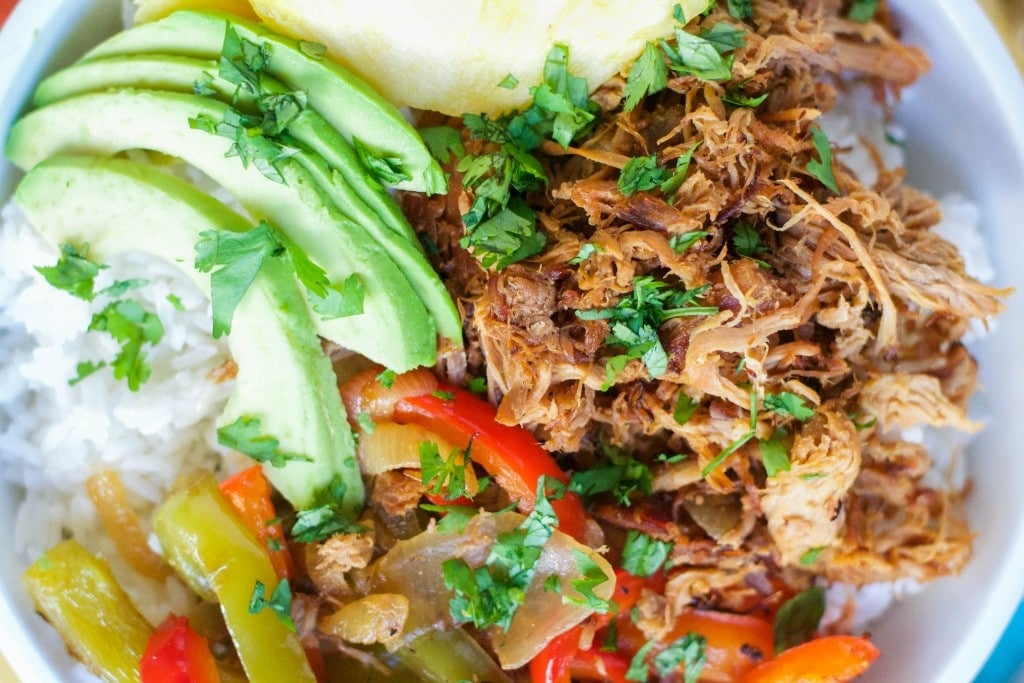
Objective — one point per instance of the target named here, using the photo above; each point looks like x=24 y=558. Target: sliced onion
x=413 y=567
x=393 y=446
x=119 y=519
x=364 y=393
x=377 y=618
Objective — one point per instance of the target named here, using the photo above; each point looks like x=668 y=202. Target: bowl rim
x=20 y=37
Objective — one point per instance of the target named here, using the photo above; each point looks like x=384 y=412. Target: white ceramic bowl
x=965 y=132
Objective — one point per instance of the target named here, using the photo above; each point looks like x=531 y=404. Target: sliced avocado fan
x=284 y=378
x=327 y=156
x=394 y=329
x=347 y=102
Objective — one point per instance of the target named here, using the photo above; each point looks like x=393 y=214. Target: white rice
x=53 y=435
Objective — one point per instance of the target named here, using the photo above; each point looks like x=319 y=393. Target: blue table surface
x=1007 y=662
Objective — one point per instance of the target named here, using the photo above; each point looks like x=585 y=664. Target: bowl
x=963 y=133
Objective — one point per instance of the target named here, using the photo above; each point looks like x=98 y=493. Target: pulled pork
x=852 y=304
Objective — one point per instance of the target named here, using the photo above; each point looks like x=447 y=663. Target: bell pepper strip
x=249 y=493
x=734 y=643
x=177 y=654
x=77 y=593
x=597 y=665
x=509 y=454
x=214 y=552
x=562 y=659
x=830 y=659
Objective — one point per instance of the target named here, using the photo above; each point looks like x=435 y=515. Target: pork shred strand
x=858 y=308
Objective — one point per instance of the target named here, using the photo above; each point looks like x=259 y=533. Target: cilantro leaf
x=507 y=237
x=279 y=602
x=587 y=250
x=863 y=11
x=491 y=594
x=237 y=257
x=443 y=141
x=478 y=385
x=644 y=555
x=245 y=436
x=440 y=474
x=725 y=37
x=671 y=185
x=73 y=273
x=621 y=475
x=811 y=556
x=313 y=50
x=322 y=522
x=593 y=576
x=132 y=326
x=685 y=408
x=739 y=443
x=386 y=378
x=797 y=620
x=509 y=82
x=737 y=98
x=774 y=453
x=788 y=404
x=683 y=18
x=563 y=97
x=688 y=651
x=122 y=287
x=741 y=9
x=84 y=369
x=249 y=143
x=640 y=174
x=698 y=57
x=638 y=666
x=747 y=240
x=242 y=61
x=681 y=243
x=822 y=170
x=647 y=76
x=365 y=422
x=456 y=517
x=387 y=170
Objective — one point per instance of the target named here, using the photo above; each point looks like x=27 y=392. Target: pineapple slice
x=151 y=10
x=450 y=55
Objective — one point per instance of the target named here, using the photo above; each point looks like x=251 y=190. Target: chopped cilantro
x=443 y=141
x=810 y=476
x=440 y=474
x=747 y=240
x=635 y=321
x=698 y=56
x=509 y=82
x=621 y=475
x=242 y=61
x=245 y=436
x=862 y=11
x=687 y=650
x=738 y=443
x=737 y=98
x=456 y=517
x=84 y=369
x=685 y=408
x=478 y=385
x=175 y=302
x=821 y=168
x=249 y=143
x=312 y=50
x=681 y=243
x=741 y=9
x=443 y=395
x=593 y=576
x=322 y=522
x=74 y=273
x=386 y=378
x=671 y=185
x=797 y=620
x=774 y=453
x=788 y=404
x=725 y=37
x=587 y=250
x=365 y=422
x=553 y=584
x=640 y=174
x=387 y=170
x=643 y=555
x=279 y=602
x=132 y=326
x=647 y=76
x=811 y=556
x=122 y=287
x=491 y=594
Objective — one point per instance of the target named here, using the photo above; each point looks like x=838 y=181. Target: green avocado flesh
x=348 y=103
x=395 y=328
x=284 y=378
x=330 y=159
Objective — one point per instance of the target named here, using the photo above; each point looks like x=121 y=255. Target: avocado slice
x=345 y=181
x=354 y=108
x=179 y=74
x=284 y=378
x=394 y=329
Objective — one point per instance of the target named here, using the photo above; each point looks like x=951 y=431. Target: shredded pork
x=854 y=305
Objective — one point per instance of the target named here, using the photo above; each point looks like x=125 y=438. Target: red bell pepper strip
x=562 y=658
x=509 y=454
x=831 y=659
x=249 y=494
x=177 y=654
x=596 y=665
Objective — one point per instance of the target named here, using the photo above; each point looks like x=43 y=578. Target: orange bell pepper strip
x=830 y=659
x=177 y=654
x=249 y=494
x=734 y=643
x=509 y=454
